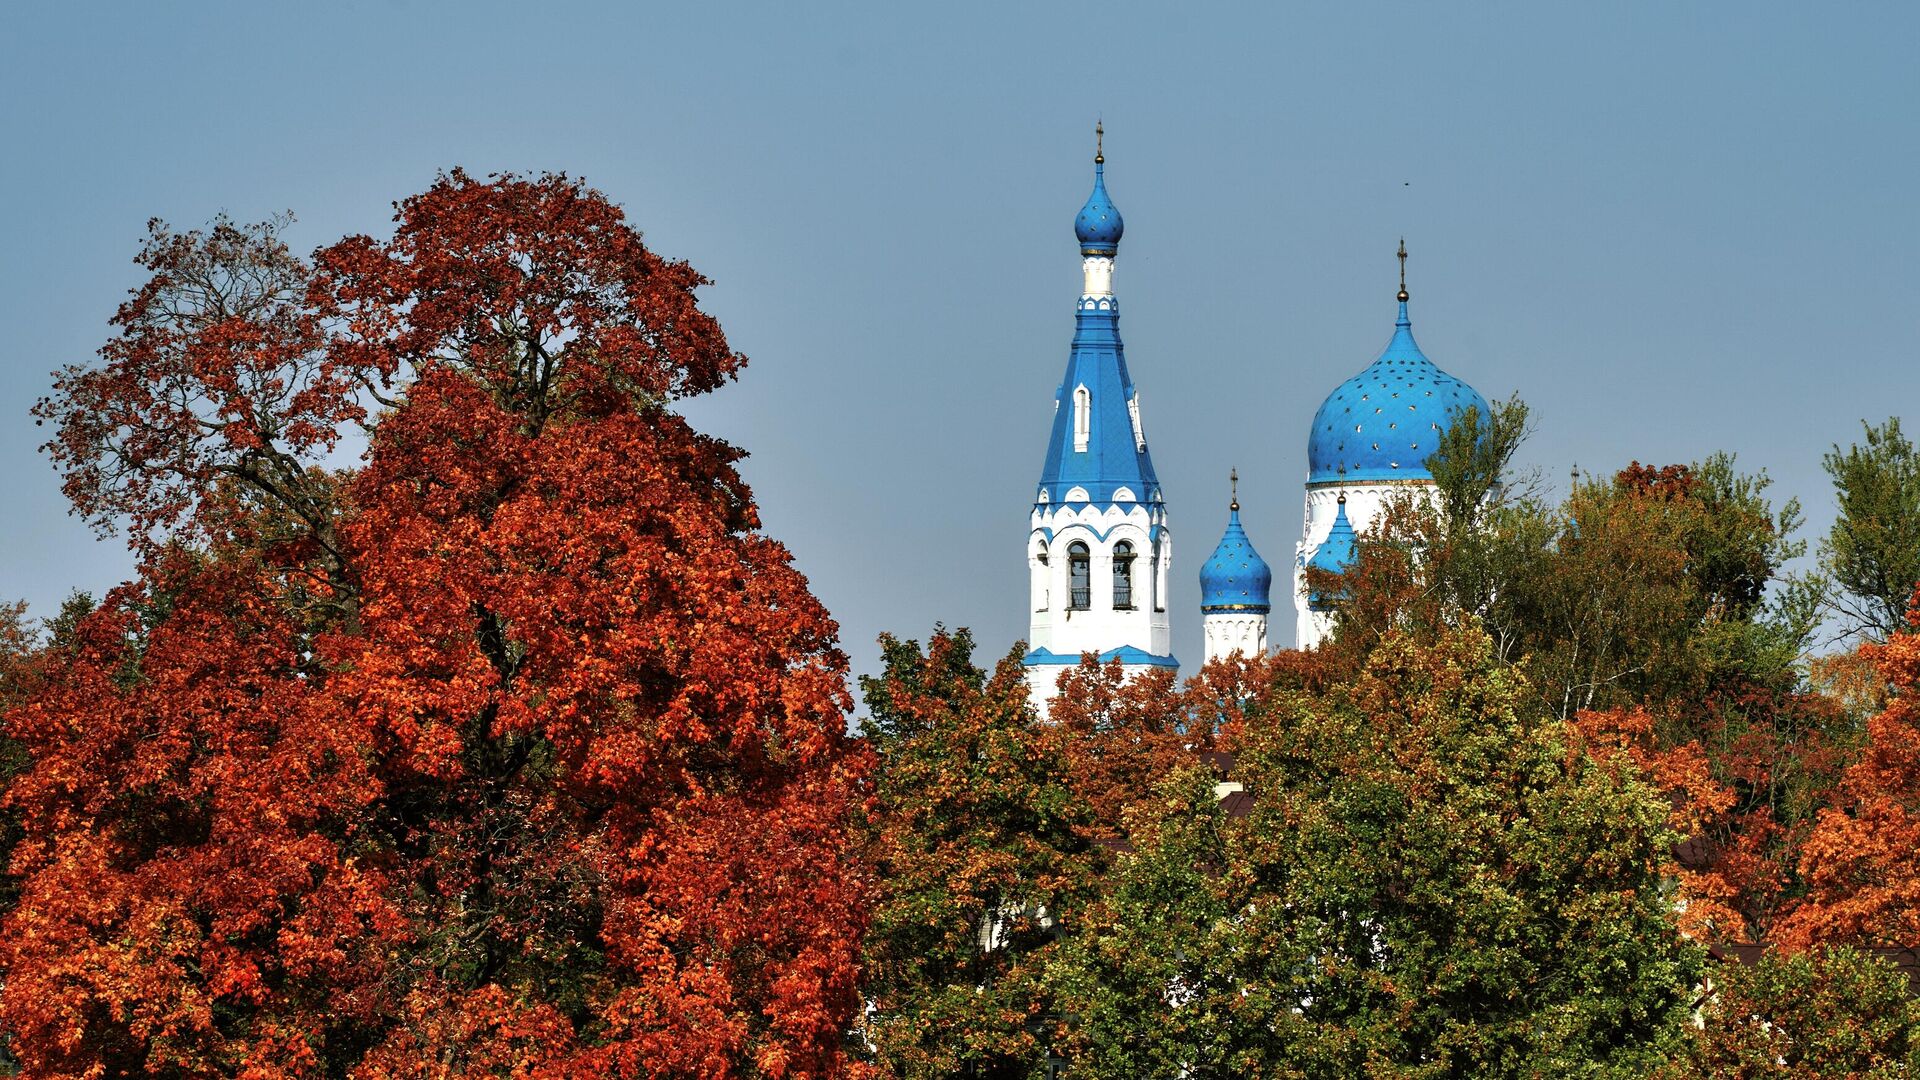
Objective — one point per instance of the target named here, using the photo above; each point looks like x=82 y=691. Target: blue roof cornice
x=1049 y=532
x=1126 y=654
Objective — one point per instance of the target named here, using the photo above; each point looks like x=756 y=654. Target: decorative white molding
x=1232 y=632
x=1096 y=273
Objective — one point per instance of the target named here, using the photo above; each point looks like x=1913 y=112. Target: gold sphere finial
x=1403 y=269
x=1099 y=136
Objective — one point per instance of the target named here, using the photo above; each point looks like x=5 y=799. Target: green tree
x=1472 y=466
x=19 y=655
x=1657 y=593
x=1150 y=979
x=1873 y=550
x=23 y=654
x=1653 y=584
x=1825 y=1013
x=982 y=854
x=1434 y=881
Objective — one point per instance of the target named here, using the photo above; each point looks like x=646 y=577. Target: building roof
x=1235 y=577
x=1099 y=226
x=1334 y=554
x=1383 y=423
x=1111 y=463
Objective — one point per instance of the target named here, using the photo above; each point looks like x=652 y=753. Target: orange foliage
x=1127 y=735
x=1712 y=876
x=517 y=750
x=1862 y=860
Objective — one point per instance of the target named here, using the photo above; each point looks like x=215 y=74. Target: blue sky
x=1672 y=228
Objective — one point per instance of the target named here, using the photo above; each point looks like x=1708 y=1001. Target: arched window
x=1123 y=576
x=1082 y=418
x=1079 y=577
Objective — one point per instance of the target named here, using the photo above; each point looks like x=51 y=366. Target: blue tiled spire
x=1334 y=555
x=1236 y=578
x=1103 y=450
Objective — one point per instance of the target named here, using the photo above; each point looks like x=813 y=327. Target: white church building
x=1100 y=547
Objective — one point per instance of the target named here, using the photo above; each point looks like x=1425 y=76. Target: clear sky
x=1672 y=228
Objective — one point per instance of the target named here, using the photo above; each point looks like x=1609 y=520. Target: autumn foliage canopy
x=462 y=722
x=514 y=748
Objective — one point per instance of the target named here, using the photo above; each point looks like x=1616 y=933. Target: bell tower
x=1098 y=547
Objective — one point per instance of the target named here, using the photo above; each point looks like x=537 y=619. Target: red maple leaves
x=1862 y=860
x=517 y=748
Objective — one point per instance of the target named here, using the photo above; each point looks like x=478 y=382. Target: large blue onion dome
x=1383 y=423
x=1099 y=225
x=1236 y=578
x=1334 y=555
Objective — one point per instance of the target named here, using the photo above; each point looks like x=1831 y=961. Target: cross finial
x=1233 y=478
x=1403 y=269
x=1099 y=136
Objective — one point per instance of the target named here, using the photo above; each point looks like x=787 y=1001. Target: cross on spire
x=1233 y=478
x=1403 y=269
x=1099 y=135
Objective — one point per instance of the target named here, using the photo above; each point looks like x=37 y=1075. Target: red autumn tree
x=1862 y=860
x=1126 y=736
x=517 y=749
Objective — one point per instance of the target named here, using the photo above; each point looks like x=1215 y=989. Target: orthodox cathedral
x=1100 y=547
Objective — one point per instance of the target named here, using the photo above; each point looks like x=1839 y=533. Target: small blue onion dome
x=1099 y=225
x=1383 y=423
x=1236 y=578
x=1333 y=556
